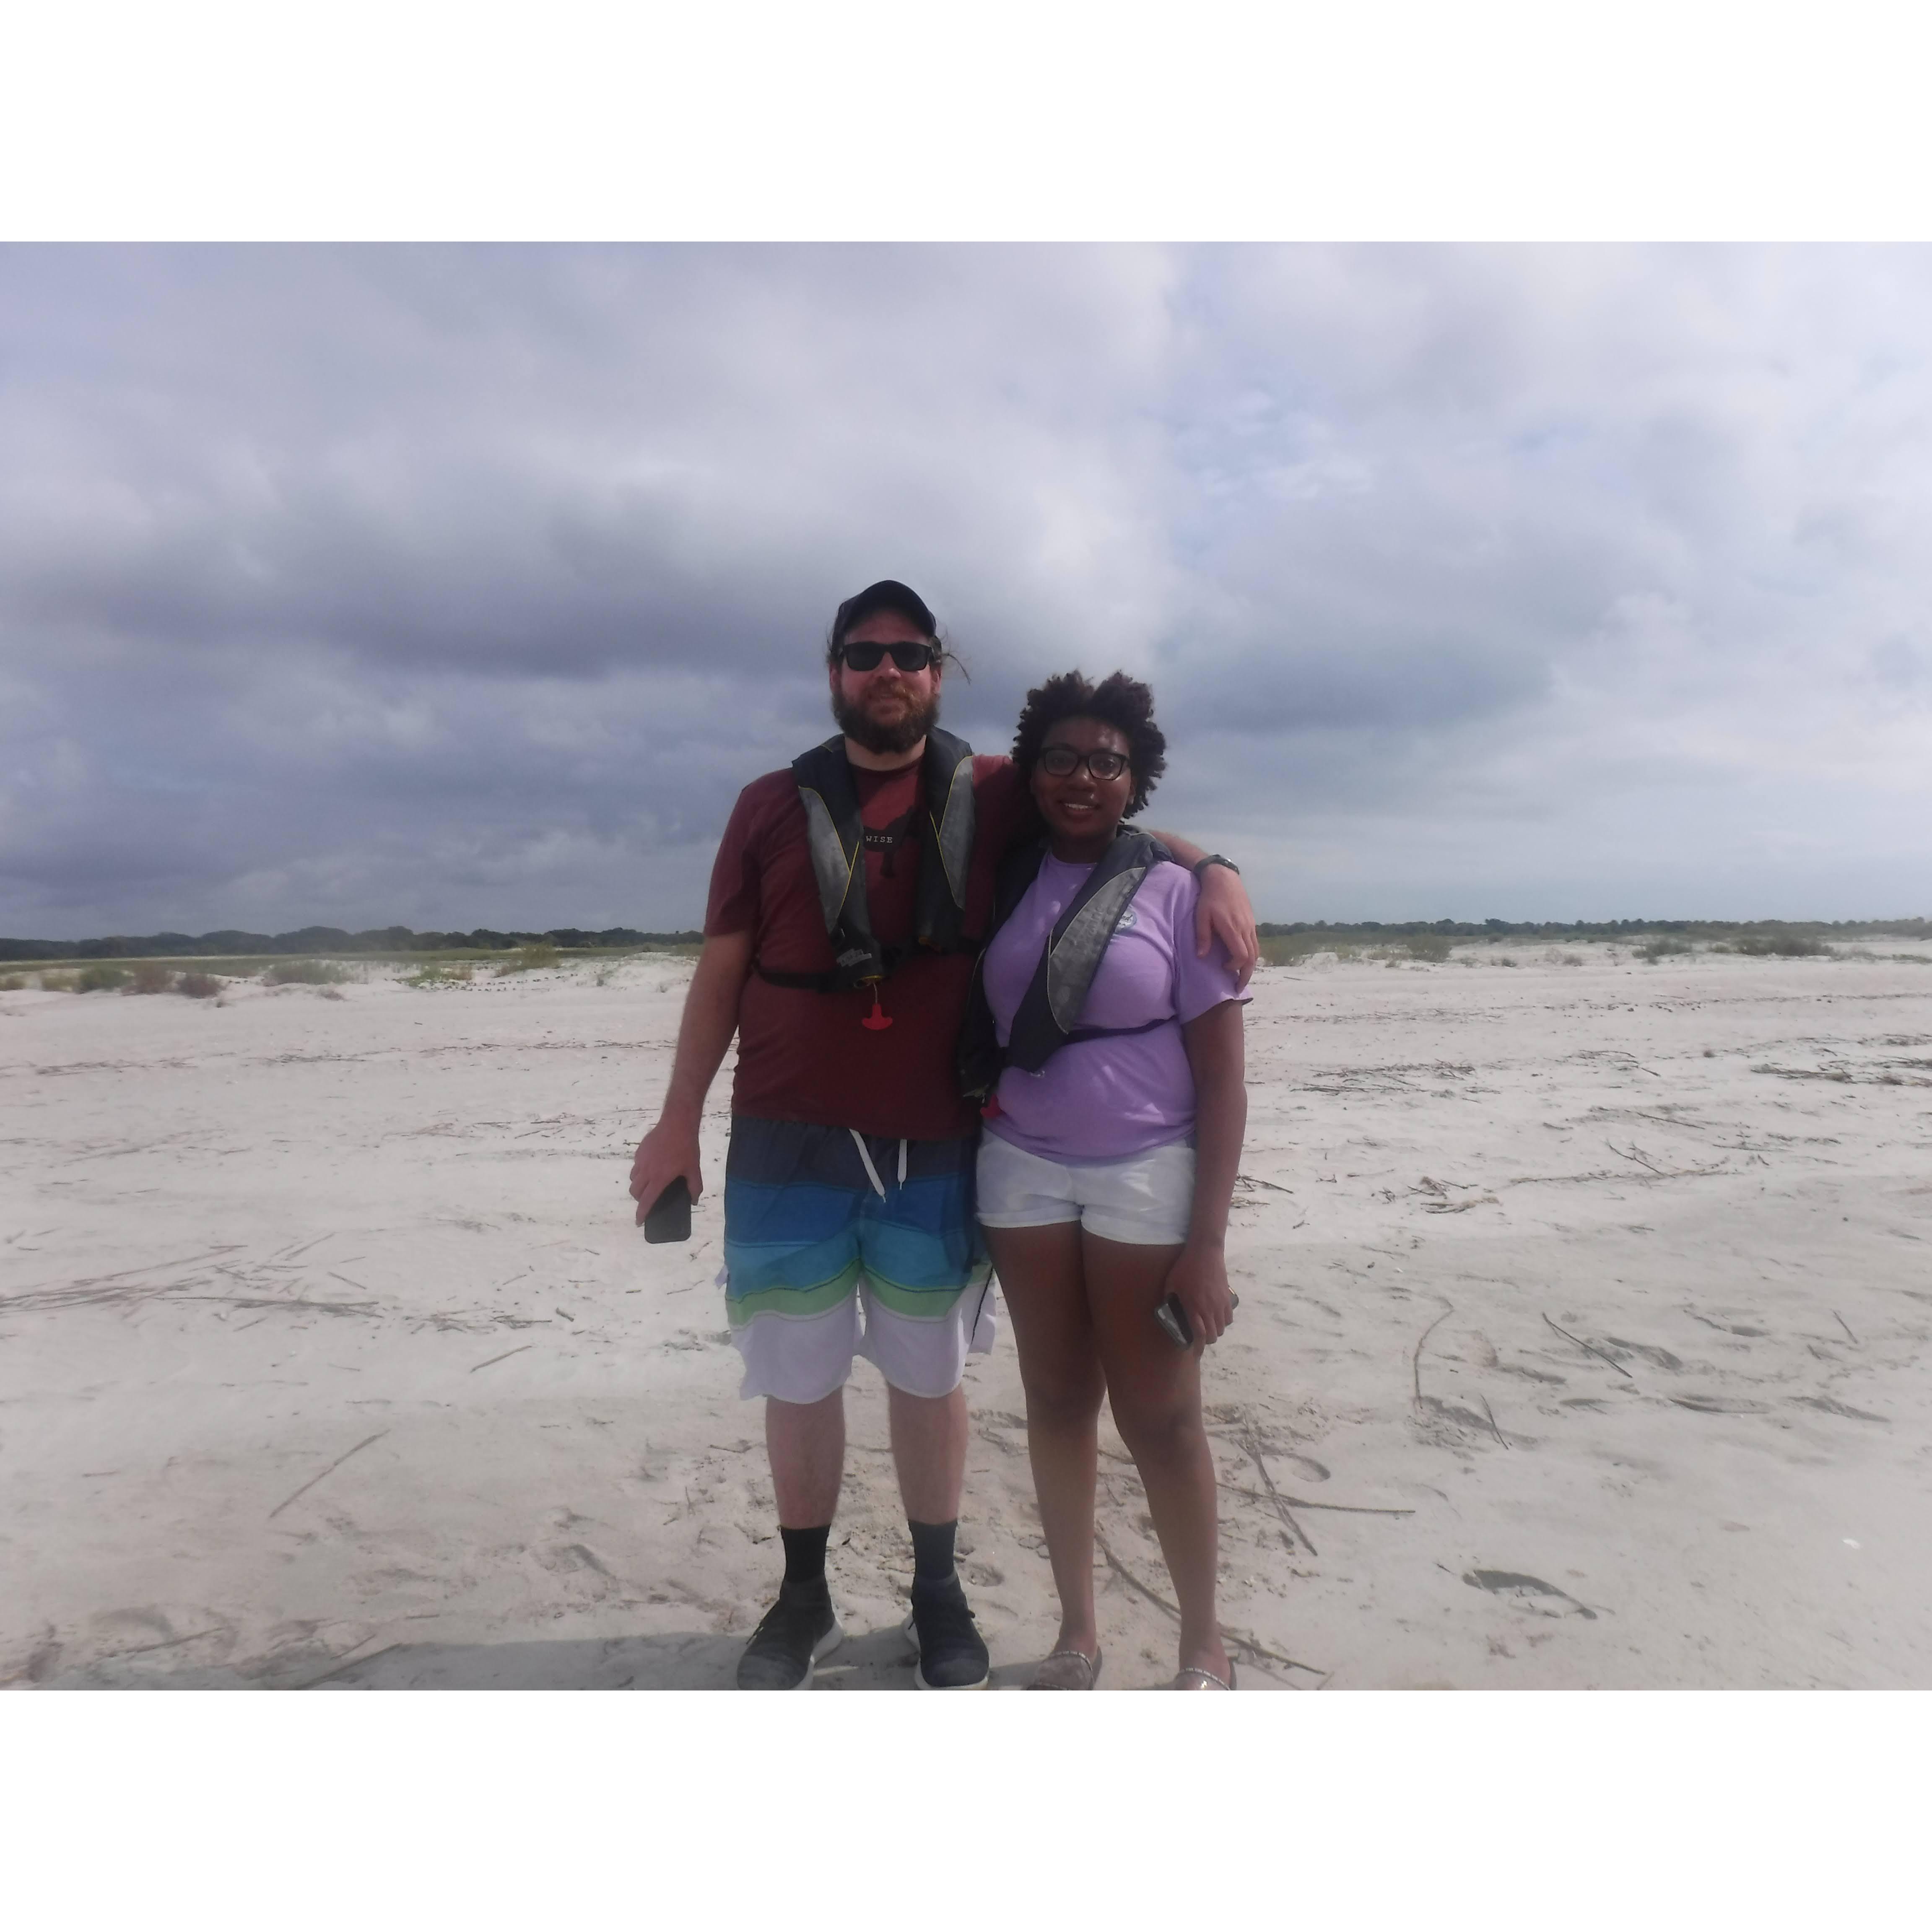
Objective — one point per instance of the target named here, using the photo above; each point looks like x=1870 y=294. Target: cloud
x=453 y=586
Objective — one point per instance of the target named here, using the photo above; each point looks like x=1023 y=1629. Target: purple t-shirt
x=1104 y=1099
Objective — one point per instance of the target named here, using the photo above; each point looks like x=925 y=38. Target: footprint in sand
x=1531 y=1592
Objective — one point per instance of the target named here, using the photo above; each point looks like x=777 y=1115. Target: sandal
x=1195 y=1679
x=1067 y=1670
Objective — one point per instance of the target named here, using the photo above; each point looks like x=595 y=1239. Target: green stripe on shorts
x=926 y=1304
x=798 y=1303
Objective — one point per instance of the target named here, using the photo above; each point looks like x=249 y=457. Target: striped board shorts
x=838 y=1245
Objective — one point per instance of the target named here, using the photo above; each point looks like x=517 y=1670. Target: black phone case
x=669 y=1219
x=1173 y=1318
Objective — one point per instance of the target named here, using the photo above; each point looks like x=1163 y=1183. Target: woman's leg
x=1039 y=1270
x=1155 y=1389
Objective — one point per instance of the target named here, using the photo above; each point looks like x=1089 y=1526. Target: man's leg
x=928 y=1439
x=927 y=1299
x=791 y=1251
x=806 y=1444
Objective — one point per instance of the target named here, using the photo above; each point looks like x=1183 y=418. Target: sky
x=450 y=586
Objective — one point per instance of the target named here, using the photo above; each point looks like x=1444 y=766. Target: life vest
x=837 y=840
x=1048 y=1015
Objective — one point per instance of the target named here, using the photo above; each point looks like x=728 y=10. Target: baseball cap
x=887 y=594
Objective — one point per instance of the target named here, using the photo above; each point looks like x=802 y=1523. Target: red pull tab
x=878 y=1019
x=992 y=1110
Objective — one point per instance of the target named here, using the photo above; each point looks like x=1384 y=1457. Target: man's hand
x=1199 y=1276
x=710 y=1019
x=662 y=1155
x=1224 y=913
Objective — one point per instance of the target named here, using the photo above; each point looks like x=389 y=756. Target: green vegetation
x=391 y=942
x=1780 y=945
x=535 y=958
x=149 y=976
x=199 y=986
x=306 y=972
x=100 y=979
x=1430 y=946
x=1663 y=949
x=13 y=983
x=438 y=974
x=1320 y=935
x=1292 y=950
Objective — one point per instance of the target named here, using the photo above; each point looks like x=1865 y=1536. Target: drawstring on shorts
x=871 y=1172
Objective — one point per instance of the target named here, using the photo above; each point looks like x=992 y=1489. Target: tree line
x=331 y=939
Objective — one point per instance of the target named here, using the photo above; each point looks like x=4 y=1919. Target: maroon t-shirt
x=804 y=1055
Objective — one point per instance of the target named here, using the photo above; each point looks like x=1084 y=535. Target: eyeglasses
x=1062 y=761
x=909 y=658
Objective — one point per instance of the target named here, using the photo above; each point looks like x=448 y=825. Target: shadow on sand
x=876 y=1660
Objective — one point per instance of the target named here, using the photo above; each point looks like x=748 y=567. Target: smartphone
x=1173 y=1318
x=669 y=1219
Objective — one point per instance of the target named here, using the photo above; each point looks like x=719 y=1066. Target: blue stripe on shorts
x=802 y=1220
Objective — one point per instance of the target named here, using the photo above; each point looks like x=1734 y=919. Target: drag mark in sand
x=1598 y=1352
x=1636 y=1153
x=503 y=1357
x=1415 y=1360
x=1512 y=1583
x=329 y=1471
x=1494 y=1430
x=1251 y=1444
x=1302 y=1502
x=1235 y=1637
x=1451 y=1412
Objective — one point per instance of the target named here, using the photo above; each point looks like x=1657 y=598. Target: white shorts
x=802 y=1358
x=1146 y=1199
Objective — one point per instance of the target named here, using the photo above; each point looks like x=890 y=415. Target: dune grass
x=440 y=973
x=1781 y=946
x=306 y=973
x=535 y=958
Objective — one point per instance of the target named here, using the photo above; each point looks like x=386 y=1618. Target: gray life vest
x=837 y=840
x=1048 y=1014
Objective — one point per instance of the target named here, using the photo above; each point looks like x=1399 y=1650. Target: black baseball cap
x=887 y=594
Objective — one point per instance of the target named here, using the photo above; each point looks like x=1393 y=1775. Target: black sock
x=932 y=1550
x=805 y=1559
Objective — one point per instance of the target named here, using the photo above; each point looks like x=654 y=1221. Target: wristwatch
x=1215 y=859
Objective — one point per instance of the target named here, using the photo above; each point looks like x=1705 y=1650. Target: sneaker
x=952 y=1655
x=796 y=1631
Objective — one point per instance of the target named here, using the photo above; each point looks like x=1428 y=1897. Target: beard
x=899 y=731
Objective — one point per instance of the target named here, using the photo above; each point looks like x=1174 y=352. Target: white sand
x=329 y=1352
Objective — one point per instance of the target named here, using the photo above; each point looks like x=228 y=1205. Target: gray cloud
x=466 y=585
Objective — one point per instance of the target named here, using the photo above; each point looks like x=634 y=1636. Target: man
x=849 y=1224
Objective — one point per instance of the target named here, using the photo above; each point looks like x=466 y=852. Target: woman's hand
x=1199 y=1277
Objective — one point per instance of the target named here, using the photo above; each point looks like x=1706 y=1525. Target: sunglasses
x=1062 y=761
x=909 y=658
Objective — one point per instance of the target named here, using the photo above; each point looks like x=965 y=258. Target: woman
x=1111 y=1143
